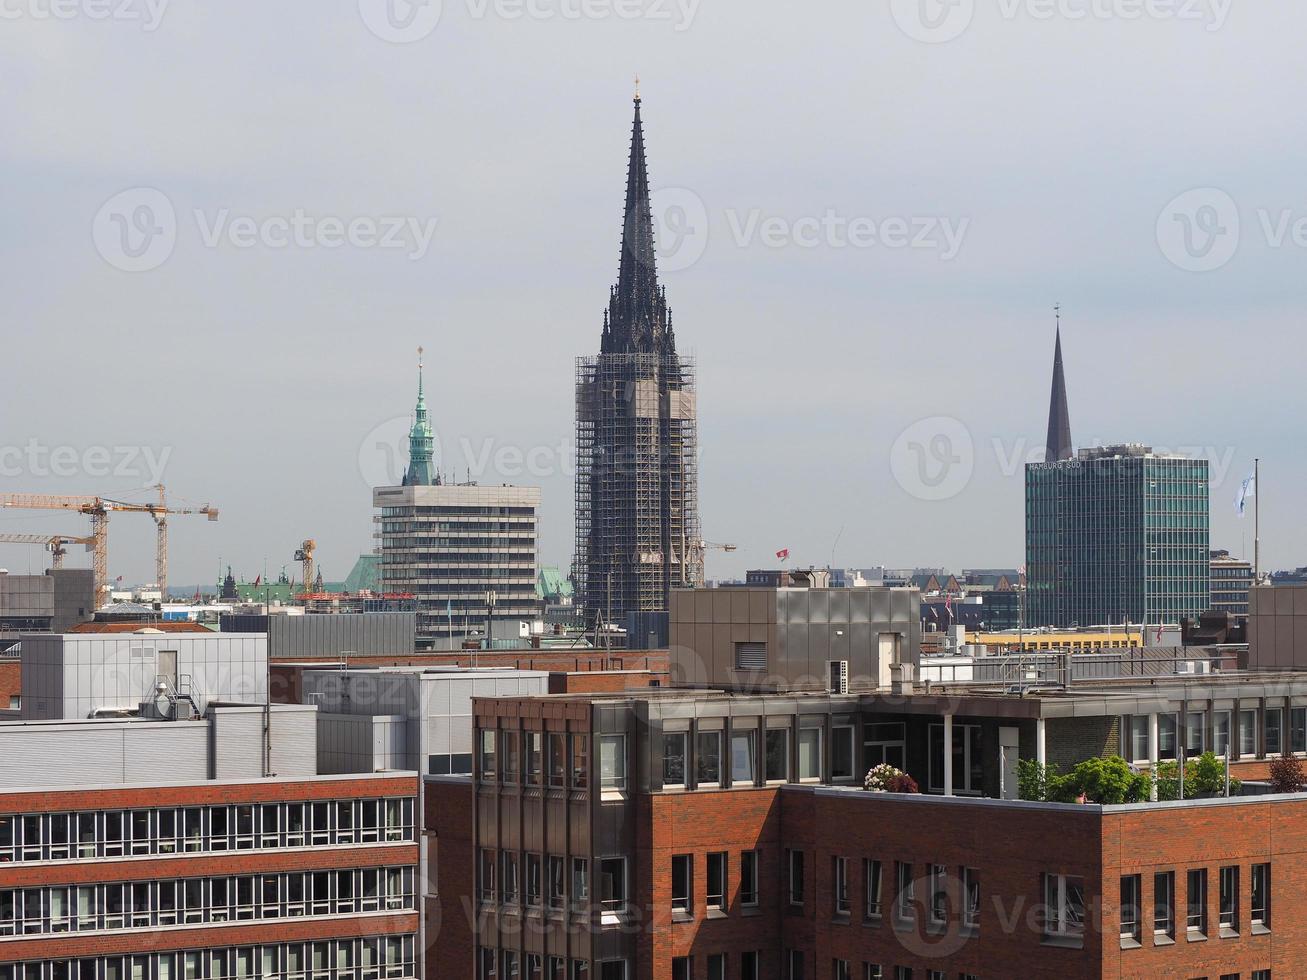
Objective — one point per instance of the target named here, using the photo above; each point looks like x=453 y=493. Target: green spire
x=421 y=441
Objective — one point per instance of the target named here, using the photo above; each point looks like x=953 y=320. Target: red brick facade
x=11 y=680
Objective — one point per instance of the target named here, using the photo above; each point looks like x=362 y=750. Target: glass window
x=1166 y=747
x=749 y=878
x=580 y=760
x=612 y=884
x=487 y=754
x=1230 y=899
x=840 y=885
x=612 y=761
x=1274 y=739
x=841 y=759
x=871 y=883
x=1261 y=910
x=708 y=758
x=743 y=747
x=1139 y=740
x=1164 y=904
x=1221 y=732
x=557 y=742
x=716 y=898
x=555 y=881
x=682 y=875
x=1064 y=906
x=580 y=881
x=509 y=763
x=533 y=879
x=1196 y=902
x=1298 y=730
x=777 y=766
x=810 y=753
x=535 y=742
x=1194 y=732
x=795 y=877
x=674 y=752
x=1248 y=732
x=971 y=897
x=906 y=891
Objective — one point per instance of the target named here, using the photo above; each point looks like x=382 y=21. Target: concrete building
x=361 y=634
x=637 y=483
x=49 y=603
x=758 y=638
x=1230 y=578
x=408 y=718
x=1116 y=534
x=455 y=547
x=69 y=676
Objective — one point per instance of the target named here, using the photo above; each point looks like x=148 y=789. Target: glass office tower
x=1115 y=535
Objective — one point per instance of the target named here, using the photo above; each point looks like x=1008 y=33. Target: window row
x=197 y=829
x=509 y=964
x=795 y=969
x=1198 y=731
x=537 y=881
x=1161 y=917
x=142 y=904
x=368 y=958
x=944 y=891
x=555 y=759
x=718 y=877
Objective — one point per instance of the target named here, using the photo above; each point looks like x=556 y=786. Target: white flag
x=1246 y=489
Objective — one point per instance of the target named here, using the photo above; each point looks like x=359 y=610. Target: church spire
x=1058 y=443
x=421 y=441
x=637 y=308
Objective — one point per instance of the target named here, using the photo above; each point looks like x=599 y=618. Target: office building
x=1231 y=578
x=637 y=515
x=1116 y=535
x=49 y=603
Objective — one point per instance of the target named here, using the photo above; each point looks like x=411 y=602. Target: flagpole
x=1257 y=521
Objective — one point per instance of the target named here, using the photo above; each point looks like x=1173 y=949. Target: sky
x=228 y=228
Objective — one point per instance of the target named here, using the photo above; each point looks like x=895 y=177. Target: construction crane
x=98 y=509
x=697 y=551
x=54 y=543
x=305 y=556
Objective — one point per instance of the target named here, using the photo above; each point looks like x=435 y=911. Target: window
x=743 y=747
x=581 y=764
x=810 y=754
x=612 y=761
x=1273 y=724
x=1193 y=738
x=612 y=970
x=1163 y=905
x=487 y=967
x=840 y=885
x=749 y=965
x=1248 y=732
x=904 y=898
x=1064 y=907
x=486 y=875
x=1166 y=747
x=716 y=966
x=1298 y=730
x=533 y=880
x=938 y=895
x=681 y=968
x=508 y=875
x=682 y=880
x=886 y=742
x=749 y=878
x=708 y=758
x=968 y=759
x=795 y=958
x=1196 y=899
x=1260 y=918
x=795 y=862
x=872 y=971
x=612 y=884
x=716 y=898
x=839 y=970
x=487 y=754
x=841 y=753
x=580 y=882
x=1221 y=732
x=871 y=884
x=971 y=898
x=555 y=881
x=509 y=762
x=510 y=965
x=557 y=745
x=1140 y=744
x=1229 y=901
x=777 y=765
x=674 y=751
x=535 y=747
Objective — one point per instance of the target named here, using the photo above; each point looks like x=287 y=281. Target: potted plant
x=885 y=778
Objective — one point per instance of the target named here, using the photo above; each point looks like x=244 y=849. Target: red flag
x=258 y=580
x=783 y=554
x=1159 y=633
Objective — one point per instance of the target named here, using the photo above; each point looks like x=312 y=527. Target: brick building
x=700 y=835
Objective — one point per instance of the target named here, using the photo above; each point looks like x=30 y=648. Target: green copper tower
x=421 y=442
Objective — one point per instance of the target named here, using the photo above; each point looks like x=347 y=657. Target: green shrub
x=1111 y=781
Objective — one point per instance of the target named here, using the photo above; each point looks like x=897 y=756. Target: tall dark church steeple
x=1058 y=443
x=637 y=321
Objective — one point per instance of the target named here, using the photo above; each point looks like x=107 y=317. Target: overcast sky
x=229 y=226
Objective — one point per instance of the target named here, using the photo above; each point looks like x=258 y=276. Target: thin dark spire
x=1058 y=444
x=637 y=307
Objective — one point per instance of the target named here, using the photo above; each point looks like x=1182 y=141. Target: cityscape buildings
x=637 y=509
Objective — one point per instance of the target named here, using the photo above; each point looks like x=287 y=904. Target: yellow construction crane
x=98 y=509
x=305 y=557
x=54 y=543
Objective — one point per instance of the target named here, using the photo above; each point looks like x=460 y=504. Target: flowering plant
x=888 y=779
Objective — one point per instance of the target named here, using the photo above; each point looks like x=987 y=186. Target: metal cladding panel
x=294 y=743
x=238 y=744
x=181 y=753
x=101 y=753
